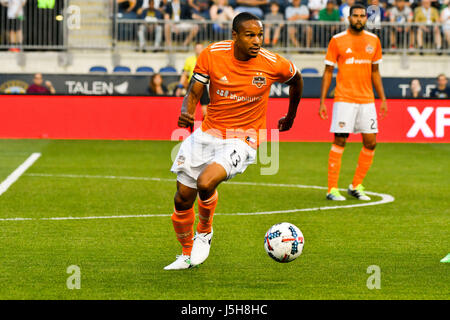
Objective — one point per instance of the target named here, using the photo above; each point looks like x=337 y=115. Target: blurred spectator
x=425 y=13
x=400 y=14
x=413 y=4
x=298 y=12
x=199 y=9
x=221 y=12
x=151 y=14
x=14 y=22
x=415 y=89
x=156 y=86
x=344 y=10
x=271 y=26
x=442 y=91
x=315 y=6
x=174 y=12
x=188 y=71
x=252 y=6
x=37 y=88
x=330 y=14
x=445 y=19
x=126 y=9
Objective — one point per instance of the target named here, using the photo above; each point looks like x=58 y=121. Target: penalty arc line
x=4 y=186
x=385 y=198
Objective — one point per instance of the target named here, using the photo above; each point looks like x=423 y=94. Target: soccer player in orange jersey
x=358 y=54
x=239 y=73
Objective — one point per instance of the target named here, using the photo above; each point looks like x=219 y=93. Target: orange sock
x=364 y=162
x=334 y=165
x=183 y=223
x=206 y=212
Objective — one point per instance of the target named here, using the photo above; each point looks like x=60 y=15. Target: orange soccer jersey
x=354 y=56
x=239 y=90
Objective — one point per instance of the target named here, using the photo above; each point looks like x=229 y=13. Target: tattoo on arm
x=184 y=105
x=194 y=93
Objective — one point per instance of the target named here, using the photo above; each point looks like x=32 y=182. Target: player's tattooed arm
x=295 y=94
x=190 y=101
x=378 y=85
x=326 y=82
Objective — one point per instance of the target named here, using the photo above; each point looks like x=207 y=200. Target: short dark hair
x=242 y=17
x=357 y=6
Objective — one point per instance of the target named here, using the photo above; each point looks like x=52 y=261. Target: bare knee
x=205 y=186
x=371 y=145
x=184 y=200
x=340 y=139
x=369 y=141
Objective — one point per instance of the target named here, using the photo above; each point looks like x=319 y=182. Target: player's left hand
x=285 y=123
x=383 y=109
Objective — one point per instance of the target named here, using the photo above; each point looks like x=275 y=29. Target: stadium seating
x=309 y=71
x=168 y=69
x=121 y=69
x=98 y=69
x=144 y=69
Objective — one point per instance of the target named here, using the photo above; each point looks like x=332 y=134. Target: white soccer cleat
x=358 y=192
x=335 y=195
x=200 y=248
x=182 y=262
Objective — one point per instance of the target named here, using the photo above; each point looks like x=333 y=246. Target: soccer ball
x=284 y=242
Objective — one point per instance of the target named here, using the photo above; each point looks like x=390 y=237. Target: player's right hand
x=185 y=120
x=323 y=113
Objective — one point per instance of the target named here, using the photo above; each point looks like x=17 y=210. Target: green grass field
x=122 y=258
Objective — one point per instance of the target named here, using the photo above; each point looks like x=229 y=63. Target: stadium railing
x=71 y=26
x=310 y=36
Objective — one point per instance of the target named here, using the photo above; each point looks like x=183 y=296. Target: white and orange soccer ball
x=284 y=242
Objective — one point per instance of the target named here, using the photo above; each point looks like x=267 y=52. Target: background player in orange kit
x=239 y=73
x=357 y=53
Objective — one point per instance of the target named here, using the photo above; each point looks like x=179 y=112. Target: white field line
x=385 y=198
x=4 y=186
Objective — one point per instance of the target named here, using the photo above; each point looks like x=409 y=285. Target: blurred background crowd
x=159 y=25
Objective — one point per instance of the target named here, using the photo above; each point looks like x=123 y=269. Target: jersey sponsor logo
x=222 y=93
x=352 y=60
x=233 y=96
x=244 y=98
x=259 y=80
x=349 y=50
x=341 y=124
